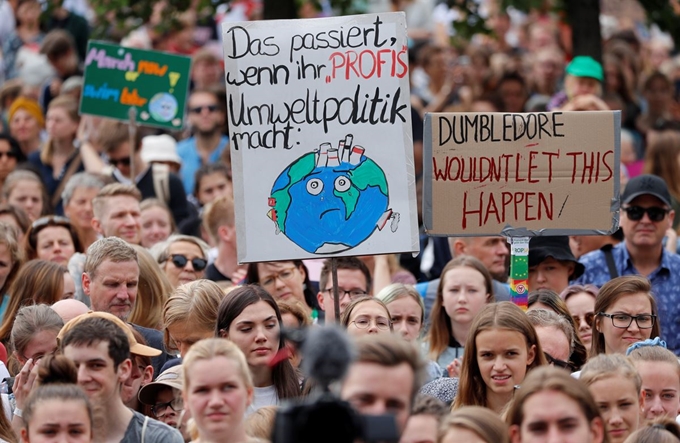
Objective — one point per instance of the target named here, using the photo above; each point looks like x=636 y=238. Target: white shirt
x=262 y=397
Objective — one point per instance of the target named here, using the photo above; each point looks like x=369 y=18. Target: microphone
x=328 y=352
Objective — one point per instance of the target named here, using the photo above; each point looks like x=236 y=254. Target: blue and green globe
x=328 y=209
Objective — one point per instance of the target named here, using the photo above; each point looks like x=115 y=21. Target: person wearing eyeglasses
x=165 y=398
x=366 y=316
x=285 y=281
x=646 y=215
x=556 y=336
x=10 y=155
x=354 y=281
x=206 y=118
x=580 y=300
x=183 y=258
x=626 y=313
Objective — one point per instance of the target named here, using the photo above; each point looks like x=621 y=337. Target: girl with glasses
x=616 y=387
x=465 y=288
x=249 y=317
x=366 y=316
x=183 y=258
x=286 y=281
x=580 y=300
x=625 y=313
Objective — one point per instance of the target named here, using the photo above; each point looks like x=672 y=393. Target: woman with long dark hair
x=250 y=317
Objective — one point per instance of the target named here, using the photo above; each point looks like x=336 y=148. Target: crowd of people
x=125 y=315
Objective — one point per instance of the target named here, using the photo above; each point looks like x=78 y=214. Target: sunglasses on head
x=199 y=109
x=50 y=219
x=8 y=154
x=125 y=161
x=655 y=213
x=180 y=261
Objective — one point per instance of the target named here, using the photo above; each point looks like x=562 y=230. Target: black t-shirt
x=213 y=274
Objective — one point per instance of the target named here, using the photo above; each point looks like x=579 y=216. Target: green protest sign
x=118 y=78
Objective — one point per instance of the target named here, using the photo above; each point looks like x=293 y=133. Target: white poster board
x=320 y=127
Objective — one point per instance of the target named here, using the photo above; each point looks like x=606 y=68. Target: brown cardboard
x=521 y=174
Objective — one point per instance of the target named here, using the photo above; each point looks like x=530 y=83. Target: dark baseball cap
x=557 y=247
x=646 y=184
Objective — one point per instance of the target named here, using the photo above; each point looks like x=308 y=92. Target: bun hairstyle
x=57 y=370
x=57 y=378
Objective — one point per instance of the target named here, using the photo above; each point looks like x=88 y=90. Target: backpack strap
x=161 y=182
x=609 y=258
x=146 y=422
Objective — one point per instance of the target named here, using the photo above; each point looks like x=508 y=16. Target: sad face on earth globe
x=332 y=199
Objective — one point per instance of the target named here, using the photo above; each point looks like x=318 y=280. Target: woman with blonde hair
x=616 y=387
x=37 y=282
x=473 y=423
x=24 y=189
x=190 y=314
x=59 y=158
x=183 y=258
x=407 y=310
x=152 y=293
x=659 y=370
x=366 y=316
x=157 y=222
x=217 y=413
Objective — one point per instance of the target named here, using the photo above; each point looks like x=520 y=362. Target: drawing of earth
x=163 y=107
x=326 y=202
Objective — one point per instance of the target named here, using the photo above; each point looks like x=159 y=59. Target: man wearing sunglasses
x=646 y=215
x=206 y=118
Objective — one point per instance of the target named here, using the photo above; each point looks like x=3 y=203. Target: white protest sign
x=320 y=125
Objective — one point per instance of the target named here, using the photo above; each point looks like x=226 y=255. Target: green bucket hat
x=584 y=66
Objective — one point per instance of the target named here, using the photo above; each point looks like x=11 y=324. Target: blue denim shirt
x=191 y=160
x=665 y=285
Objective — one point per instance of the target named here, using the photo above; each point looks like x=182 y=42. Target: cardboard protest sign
x=118 y=78
x=521 y=175
x=321 y=146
